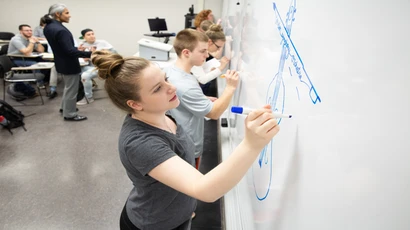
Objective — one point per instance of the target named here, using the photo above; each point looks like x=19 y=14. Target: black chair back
x=6 y=35
x=5 y=65
x=4 y=49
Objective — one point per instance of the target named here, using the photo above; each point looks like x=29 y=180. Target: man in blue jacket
x=65 y=58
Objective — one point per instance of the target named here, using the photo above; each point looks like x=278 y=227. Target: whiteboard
x=340 y=68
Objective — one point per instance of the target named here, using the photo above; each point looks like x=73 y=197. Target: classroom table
x=50 y=57
x=4 y=42
x=37 y=66
x=163 y=64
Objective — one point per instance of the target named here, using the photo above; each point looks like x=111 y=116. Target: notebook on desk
x=48 y=56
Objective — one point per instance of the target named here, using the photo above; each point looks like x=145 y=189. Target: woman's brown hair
x=201 y=16
x=188 y=39
x=215 y=33
x=121 y=76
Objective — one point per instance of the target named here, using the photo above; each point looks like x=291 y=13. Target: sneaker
x=41 y=85
x=52 y=94
x=84 y=101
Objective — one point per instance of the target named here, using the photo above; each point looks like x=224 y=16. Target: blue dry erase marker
x=246 y=111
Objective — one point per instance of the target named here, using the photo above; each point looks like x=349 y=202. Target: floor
x=67 y=175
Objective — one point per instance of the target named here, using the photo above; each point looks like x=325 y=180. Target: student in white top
x=216 y=40
x=88 y=71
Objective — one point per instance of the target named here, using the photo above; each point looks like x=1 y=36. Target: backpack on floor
x=14 y=117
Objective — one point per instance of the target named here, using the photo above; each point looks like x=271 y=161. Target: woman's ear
x=134 y=105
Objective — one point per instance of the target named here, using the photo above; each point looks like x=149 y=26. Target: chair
x=4 y=49
x=5 y=68
x=6 y=35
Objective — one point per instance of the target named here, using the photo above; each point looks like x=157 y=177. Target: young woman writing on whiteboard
x=216 y=41
x=158 y=154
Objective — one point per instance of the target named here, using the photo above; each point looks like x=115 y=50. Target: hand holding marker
x=223 y=75
x=246 y=111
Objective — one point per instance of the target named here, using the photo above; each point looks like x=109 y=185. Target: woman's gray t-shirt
x=142 y=147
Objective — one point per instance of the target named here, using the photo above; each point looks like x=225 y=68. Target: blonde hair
x=215 y=33
x=201 y=16
x=205 y=25
x=188 y=39
x=122 y=76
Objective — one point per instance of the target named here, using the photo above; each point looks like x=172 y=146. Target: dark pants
x=126 y=224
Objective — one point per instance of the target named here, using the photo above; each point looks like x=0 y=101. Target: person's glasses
x=218 y=47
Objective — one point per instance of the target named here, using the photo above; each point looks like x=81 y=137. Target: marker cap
x=236 y=109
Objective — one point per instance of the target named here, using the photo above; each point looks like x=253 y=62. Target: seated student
x=39 y=34
x=88 y=71
x=216 y=40
x=191 y=46
x=38 y=31
x=158 y=153
x=25 y=43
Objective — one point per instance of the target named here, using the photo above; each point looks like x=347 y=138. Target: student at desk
x=38 y=31
x=22 y=46
x=88 y=71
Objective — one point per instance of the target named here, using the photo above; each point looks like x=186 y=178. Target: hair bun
x=215 y=28
x=107 y=63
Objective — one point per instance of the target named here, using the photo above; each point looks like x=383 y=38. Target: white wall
x=121 y=22
x=215 y=6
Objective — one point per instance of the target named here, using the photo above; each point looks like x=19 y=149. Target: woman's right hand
x=81 y=47
x=232 y=78
x=224 y=62
x=260 y=127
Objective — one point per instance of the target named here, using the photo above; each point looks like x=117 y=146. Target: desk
x=161 y=35
x=4 y=42
x=37 y=66
x=50 y=57
x=162 y=64
x=32 y=55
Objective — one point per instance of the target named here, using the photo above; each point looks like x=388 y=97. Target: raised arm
x=220 y=105
x=261 y=127
x=64 y=40
x=204 y=77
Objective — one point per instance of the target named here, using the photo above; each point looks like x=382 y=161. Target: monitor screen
x=157 y=24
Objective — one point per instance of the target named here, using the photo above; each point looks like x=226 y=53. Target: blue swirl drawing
x=276 y=91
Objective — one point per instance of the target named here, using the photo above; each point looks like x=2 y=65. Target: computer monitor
x=157 y=24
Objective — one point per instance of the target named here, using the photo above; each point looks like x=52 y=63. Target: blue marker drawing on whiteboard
x=276 y=92
x=246 y=111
